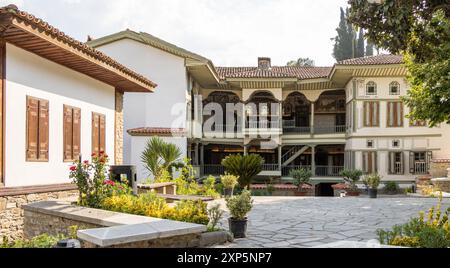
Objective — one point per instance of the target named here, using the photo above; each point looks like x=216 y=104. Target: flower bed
x=282 y=190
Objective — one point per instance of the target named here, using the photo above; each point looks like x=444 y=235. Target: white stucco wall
x=151 y=110
x=138 y=145
x=411 y=138
x=29 y=74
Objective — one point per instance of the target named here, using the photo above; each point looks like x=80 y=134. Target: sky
x=229 y=32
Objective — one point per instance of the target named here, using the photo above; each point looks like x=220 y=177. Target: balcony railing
x=271 y=167
x=421 y=168
x=329 y=171
x=286 y=170
x=330 y=129
x=212 y=170
x=263 y=122
x=323 y=171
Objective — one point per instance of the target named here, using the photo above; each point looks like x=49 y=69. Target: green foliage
x=152 y=206
x=391 y=187
x=372 y=180
x=160 y=156
x=229 y=181
x=245 y=167
x=91 y=180
x=301 y=176
x=433 y=232
x=351 y=177
x=42 y=241
x=215 y=214
x=240 y=205
x=420 y=30
x=302 y=62
x=344 y=41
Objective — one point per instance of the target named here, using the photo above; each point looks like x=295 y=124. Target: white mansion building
x=329 y=118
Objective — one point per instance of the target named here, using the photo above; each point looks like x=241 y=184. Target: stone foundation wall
x=36 y=223
x=439 y=168
x=183 y=241
x=12 y=214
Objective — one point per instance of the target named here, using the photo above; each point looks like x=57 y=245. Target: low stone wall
x=439 y=168
x=12 y=200
x=57 y=217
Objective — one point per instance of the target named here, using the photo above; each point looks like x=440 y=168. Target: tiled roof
x=274 y=72
x=154 y=131
x=374 y=60
x=62 y=37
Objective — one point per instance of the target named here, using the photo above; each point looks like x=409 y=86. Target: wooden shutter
x=95 y=133
x=102 y=133
x=76 y=133
x=376 y=113
x=72 y=133
x=68 y=131
x=32 y=129
x=43 y=130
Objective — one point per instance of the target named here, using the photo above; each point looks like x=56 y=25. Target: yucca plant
x=245 y=167
x=160 y=155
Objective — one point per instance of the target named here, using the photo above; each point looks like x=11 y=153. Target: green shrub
x=372 y=181
x=214 y=214
x=151 y=205
x=229 y=181
x=391 y=187
x=301 y=176
x=240 y=205
x=433 y=232
x=245 y=167
x=42 y=241
x=351 y=177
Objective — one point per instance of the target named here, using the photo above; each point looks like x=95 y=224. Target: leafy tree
x=351 y=177
x=419 y=30
x=360 y=45
x=160 y=156
x=245 y=167
x=344 y=41
x=301 y=176
x=302 y=62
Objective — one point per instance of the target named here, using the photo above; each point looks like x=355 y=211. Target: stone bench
x=174 y=198
x=169 y=188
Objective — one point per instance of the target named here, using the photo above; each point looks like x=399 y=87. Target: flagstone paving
x=281 y=222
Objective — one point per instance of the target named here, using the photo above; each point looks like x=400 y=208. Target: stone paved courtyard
x=281 y=222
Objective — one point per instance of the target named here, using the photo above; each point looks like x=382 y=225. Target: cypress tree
x=369 y=49
x=343 y=47
x=360 y=46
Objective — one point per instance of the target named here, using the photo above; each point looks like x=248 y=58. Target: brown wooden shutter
x=76 y=133
x=402 y=114
x=32 y=128
x=43 y=130
x=68 y=130
x=95 y=133
x=377 y=114
x=102 y=133
x=366 y=115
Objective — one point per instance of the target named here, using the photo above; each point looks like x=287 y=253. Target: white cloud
x=231 y=32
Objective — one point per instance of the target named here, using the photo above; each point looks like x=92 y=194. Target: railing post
x=313 y=160
x=280 y=164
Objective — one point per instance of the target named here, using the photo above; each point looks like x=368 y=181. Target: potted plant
x=351 y=178
x=239 y=206
x=229 y=182
x=373 y=182
x=302 y=178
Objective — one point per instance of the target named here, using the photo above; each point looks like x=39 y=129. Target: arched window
x=371 y=88
x=394 y=88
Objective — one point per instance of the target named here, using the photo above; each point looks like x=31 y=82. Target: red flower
x=86 y=162
x=73 y=168
x=93 y=154
x=110 y=183
x=102 y=153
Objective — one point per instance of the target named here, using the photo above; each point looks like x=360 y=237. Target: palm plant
x=159 y=156
x=245 y=167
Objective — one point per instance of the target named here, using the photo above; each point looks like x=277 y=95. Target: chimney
x=264 y=63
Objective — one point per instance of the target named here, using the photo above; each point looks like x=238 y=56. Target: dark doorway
x=325 y=190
